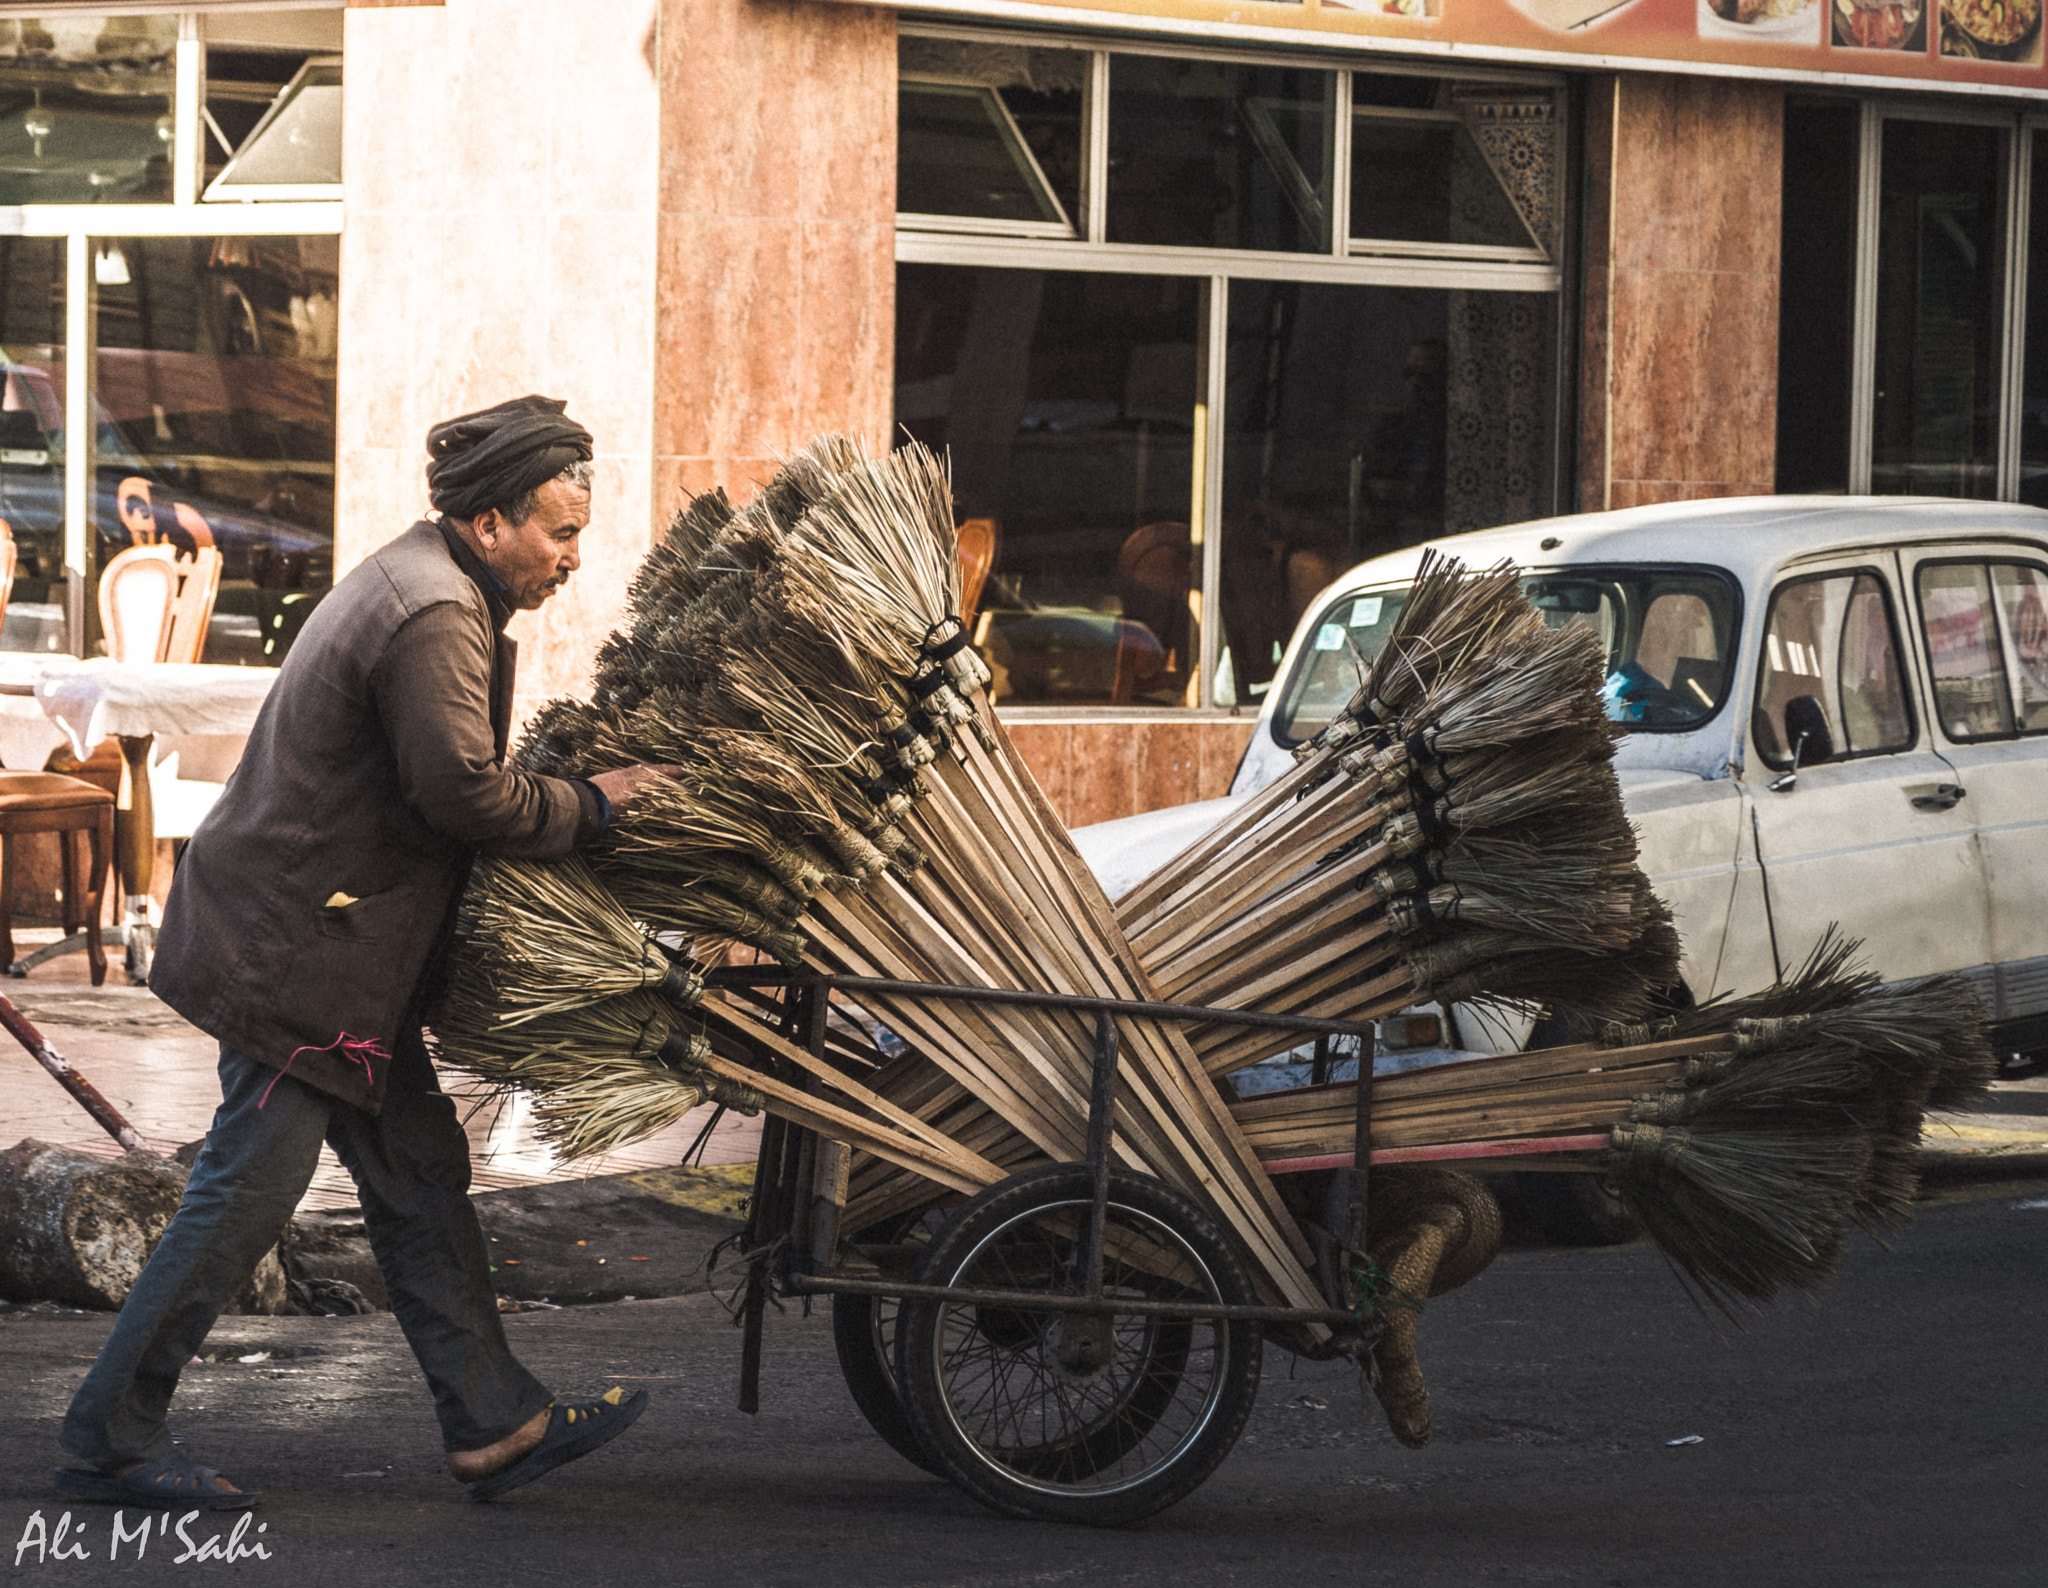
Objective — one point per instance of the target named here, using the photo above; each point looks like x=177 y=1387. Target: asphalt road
x=1891 y=1434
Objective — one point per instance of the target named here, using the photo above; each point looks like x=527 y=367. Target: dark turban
x=490 y=458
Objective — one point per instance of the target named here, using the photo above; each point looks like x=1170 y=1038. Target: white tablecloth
x=98 y=699
x=87 y=701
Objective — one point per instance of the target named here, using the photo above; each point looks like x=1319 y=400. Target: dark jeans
x=411 y=1168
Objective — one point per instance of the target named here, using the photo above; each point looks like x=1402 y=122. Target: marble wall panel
x=1167 y=765
x=1679 y=357
x=1222 y=747
x=1100 y=771
x=502 y=159
x=775 y=296
x=729 y=321
x=1044 y=748
x=1102 y=781
x=846 y=331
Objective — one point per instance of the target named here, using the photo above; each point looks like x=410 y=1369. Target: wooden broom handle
x=89 y=1096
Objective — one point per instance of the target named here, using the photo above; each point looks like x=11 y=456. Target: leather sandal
x=172 y=1482
x=572 y=1431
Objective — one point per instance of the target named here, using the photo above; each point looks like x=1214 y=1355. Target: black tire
x=1101 y=1446
x=1579 y=1209
x=864 y=1335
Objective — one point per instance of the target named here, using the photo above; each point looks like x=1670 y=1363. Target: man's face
x=536 y=558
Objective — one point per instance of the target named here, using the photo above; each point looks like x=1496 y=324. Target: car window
x=2022 y=591
x=1986 y=629
x=1830 y=683
x=1668 y=633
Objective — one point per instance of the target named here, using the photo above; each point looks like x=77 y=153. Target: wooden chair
x=9 y=555
x=155 y=605
x=979 y=541
x=47 y=802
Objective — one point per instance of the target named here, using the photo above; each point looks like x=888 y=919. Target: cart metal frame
x=792 y=1234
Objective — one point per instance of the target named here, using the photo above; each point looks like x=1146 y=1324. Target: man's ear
x=487 y=524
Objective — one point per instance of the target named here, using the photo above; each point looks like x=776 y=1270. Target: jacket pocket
x=375 y=918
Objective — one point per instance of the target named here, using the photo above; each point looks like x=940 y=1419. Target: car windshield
x=1669 y=634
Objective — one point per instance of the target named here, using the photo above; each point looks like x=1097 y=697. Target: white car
x=1838 y=711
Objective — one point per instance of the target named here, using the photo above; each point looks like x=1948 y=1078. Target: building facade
x=1205 y=300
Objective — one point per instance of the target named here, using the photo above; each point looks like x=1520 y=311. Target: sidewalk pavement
x=160 y=1073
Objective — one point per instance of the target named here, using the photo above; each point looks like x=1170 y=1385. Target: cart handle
x=751 y=976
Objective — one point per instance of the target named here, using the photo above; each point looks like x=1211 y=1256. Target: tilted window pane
x=1415 y=179
x=2023 y=620
x=32 y=438
x=297 y=144
x=1067 y=401
x=1970 y=697
x=1830 y=686
x=1940 y=320
x=216 y=420
x=1212 y=154
x=1361 y=420
x=989 y=130
x=85 y=109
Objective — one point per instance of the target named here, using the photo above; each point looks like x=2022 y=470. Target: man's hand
x=622 y=785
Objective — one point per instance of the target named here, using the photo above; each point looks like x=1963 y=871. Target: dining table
x=49 y=701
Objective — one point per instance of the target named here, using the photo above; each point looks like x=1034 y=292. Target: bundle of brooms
x=844 y=797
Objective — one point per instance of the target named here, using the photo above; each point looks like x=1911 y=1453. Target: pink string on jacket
x=357 y=1050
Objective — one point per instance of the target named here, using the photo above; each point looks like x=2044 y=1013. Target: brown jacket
x=310 y=900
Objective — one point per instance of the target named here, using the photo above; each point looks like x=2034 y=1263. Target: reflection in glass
x=990 y=131
x=1212 y=154
x=1816 y=303
x=1831 y=686
x=1939 y=321
x=1419 y=178
x=1067 y=400
x=215 y=389
x=2023 y=624
x=296 y=145
x=1963 y=653
x=32 y=438
x=85 y=109
x=1360 y=420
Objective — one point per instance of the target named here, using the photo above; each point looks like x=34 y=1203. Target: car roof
x=1750 y=536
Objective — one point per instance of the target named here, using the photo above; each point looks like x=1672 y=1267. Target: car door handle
x=1943 y=798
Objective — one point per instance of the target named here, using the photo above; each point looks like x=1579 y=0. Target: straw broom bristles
x=821 y=620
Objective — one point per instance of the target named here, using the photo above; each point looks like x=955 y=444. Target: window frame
x=85 y=226
x=1900 y=651
x=1984 y=560
x=1469 y=268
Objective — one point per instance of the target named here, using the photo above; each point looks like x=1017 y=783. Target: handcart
x=1079 y=1342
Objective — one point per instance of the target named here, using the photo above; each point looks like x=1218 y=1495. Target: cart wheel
x=864 y=1334
x=1075 y=1417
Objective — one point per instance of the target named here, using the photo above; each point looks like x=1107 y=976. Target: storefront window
x=2033 y=415
x=1940 y=320
x=1362 y=420
x=85 y=109
x=32 y=438
x=990 y=132
x=1816 y=296
x=1067 y=401
x=1451 y=165
x=215 y=390
x=1214 y=154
